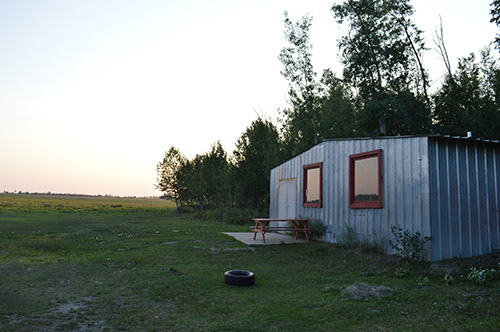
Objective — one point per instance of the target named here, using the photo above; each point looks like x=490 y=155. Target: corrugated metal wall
x=405 y=187
x=464 y=196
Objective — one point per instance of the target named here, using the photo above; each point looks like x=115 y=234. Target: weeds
x=347 y=238
x=408 y=246
x=448 y=279
x=376 y=245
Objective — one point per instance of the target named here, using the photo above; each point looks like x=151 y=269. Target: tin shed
x=442 y=186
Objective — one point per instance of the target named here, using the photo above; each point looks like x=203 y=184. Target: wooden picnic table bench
x=262 y=226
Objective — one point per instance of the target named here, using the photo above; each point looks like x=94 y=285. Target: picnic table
x=262 y=226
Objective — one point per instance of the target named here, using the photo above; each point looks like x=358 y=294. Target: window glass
x=313 y=185
x=366 y=179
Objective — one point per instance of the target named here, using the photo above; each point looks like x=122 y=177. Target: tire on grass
x=239 y=278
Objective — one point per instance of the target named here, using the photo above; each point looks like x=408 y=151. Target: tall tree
x=301 y=120
x=495 y=18
x=336 y=112
x=469 y=99
x=216 y=182
x=168 y=175
x=257 y=152
x=382 y=57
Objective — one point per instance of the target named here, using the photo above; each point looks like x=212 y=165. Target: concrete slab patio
x=271 y=238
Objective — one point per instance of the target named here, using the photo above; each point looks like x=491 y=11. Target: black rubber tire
x=239 y=278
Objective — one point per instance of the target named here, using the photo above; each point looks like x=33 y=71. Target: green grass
x=90 y=265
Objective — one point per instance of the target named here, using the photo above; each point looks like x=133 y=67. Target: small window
x=365 y=180
x=312 y=185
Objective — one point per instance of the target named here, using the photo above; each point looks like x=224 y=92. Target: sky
x=92 y=93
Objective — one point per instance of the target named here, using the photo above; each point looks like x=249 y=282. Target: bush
x=317 y=227
x=230 y=215
x=408 y=246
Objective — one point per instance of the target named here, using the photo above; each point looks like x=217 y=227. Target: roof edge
x=467 y=138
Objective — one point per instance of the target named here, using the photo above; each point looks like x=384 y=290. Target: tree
x=215 y=173
x=495 y=18
x=257 y=152
x=469 y=99
x=204 y=180
x=168 y=175
x=381 y=55
x=301 y=120
x=336 y=112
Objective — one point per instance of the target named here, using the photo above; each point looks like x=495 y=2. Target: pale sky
x=92 y=93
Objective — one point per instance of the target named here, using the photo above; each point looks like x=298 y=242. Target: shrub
x=317 y=227
x=229 y=215
x=408 y=246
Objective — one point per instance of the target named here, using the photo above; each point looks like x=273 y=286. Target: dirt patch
x=364 y=291
x=449 y=267
x=68 y=307
x=456 y=265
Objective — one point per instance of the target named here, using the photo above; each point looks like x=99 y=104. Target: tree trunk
x=382 y=126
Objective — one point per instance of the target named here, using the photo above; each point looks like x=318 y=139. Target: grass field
x=108 y=264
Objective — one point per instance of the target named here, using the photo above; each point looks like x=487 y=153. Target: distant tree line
x=48 y=193
x=383 y=90
x=216 y=180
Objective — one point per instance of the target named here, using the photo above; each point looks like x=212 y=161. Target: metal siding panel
x=385 y=225
x=347 y=213
x=398 y=185
x=335 y=211
x=434 y=202
x=275 y=176
x=408 y=198
x=482 y=200
x=496 y=168
x=464 y=207
x=404 y=202
x=469 y=200
x=444 y=198
x=453 y=201
x=416 y=182
x=490 y=171
x=424 y=167
x=424 y=192
x=341 y=188
x=474 y=215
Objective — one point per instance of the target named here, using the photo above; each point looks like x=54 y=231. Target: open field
x=99 y=264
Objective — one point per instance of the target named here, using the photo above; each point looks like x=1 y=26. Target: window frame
x=305 y=168
x=365 y=204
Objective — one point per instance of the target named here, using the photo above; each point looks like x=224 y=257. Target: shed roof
x=467 y=138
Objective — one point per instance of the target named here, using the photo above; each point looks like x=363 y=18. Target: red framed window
x=312 y=188
x=365 y=180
